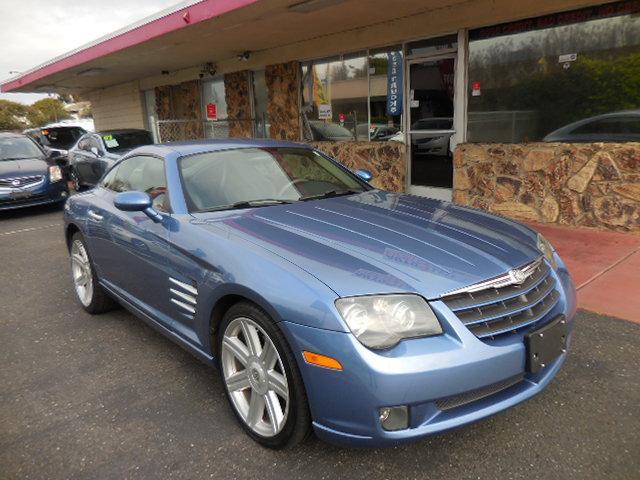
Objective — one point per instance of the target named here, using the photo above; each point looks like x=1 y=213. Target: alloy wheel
x=255 y=377
x=81 y=271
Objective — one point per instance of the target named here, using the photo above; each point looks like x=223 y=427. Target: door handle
x=94 y=216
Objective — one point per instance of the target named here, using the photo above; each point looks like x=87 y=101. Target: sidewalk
x=605 y=267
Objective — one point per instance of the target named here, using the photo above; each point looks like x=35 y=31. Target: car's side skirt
x=148 y=319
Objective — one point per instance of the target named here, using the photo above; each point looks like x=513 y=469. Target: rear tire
x=93 y=298
x=261 y=378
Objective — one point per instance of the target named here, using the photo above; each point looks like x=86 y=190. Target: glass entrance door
x=430 y=104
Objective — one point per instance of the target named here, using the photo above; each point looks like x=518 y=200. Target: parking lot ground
x=108 y=397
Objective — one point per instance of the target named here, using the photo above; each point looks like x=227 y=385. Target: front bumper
x=44 y=194
x=417 y=373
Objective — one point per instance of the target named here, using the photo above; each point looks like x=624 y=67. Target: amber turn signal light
x=321 y=360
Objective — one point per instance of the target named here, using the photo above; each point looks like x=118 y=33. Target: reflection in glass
x=345 y=98
x=524 y=86
x=431 y=114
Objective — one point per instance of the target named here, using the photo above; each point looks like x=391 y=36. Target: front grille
x=20 y=182
x=475 y=395
x=500 y=310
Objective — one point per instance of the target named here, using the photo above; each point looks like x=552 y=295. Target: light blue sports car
x=371 y=317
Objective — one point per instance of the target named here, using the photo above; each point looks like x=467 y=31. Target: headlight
x=547 y=250
x=55 y=174
x=381 y=321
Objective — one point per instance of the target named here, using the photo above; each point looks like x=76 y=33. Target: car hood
x=381 y=242
x=23 y=168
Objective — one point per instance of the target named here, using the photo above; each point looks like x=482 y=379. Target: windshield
x=118 y=142
x=218 y=180
x=18 y=148
x=61 y=138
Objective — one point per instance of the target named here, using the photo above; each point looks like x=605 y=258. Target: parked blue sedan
x=373 y=317
x=28 y=175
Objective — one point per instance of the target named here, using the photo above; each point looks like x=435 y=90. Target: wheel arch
x=70 y=230
x=232 y=295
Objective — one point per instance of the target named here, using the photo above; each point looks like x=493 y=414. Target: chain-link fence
x=187 y=129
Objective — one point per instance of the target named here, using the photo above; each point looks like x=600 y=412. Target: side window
x=93 y=142
x=143 y=174
x=83 y=144
x=108 y=180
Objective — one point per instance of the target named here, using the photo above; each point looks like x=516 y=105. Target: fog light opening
x=394 y=418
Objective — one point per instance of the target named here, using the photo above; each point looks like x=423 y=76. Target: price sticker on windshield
x=109 y=141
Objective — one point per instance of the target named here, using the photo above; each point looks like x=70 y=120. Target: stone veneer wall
x=591 y=184
x=385 y=160
x=283 y=89
x=236 y=87
x=181 y=101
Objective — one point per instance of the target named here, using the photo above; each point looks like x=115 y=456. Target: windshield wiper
x=328 y=194
x=264 y=202
x=16 y=158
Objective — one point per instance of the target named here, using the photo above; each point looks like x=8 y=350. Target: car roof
x=568 y=129
x=11 y=135
x=191 y=147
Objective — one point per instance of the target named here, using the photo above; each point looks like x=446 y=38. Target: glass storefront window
x=349 y=97
x=336 y=99
x=534 y=80
x=214 y=109
x=213 y=93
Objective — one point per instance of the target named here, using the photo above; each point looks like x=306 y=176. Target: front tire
x=89 y=293
x=261 y=378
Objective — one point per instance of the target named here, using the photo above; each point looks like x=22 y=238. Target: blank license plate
x=546 y=344
x=20 y=195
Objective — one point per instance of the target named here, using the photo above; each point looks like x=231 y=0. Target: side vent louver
x=183 y=295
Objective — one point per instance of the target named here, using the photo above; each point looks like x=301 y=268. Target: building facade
x=526 y=109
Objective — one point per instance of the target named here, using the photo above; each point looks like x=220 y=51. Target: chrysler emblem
x=15 y=183
x=517 y=276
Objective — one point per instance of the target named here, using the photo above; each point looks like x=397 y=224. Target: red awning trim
x=196 y=13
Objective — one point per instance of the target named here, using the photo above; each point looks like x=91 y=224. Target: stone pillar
x=179 y=106
x=283 y=89
x=236 y=87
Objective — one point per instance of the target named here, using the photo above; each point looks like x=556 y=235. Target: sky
x=34 y=31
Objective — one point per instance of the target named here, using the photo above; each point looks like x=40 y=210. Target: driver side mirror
x=363 y=174
x=136 y=202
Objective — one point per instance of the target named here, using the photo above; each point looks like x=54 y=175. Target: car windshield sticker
x=109 y=141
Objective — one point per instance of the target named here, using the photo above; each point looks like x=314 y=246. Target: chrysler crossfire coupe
x=368 y=316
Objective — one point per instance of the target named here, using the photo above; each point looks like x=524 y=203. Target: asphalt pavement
x=108 y=397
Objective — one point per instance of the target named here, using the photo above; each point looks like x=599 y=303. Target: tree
x=46 y=111
x=12 y=115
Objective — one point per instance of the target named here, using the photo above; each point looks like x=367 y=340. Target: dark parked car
x=57 y=139
x=96 y=152
x=370 y=316
x=610 y=127
x=28 y=175
x=334 y=132
x=60 y=138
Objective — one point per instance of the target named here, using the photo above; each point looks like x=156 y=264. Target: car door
x=80 y=159
x=131 y=249
x=96 y=164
